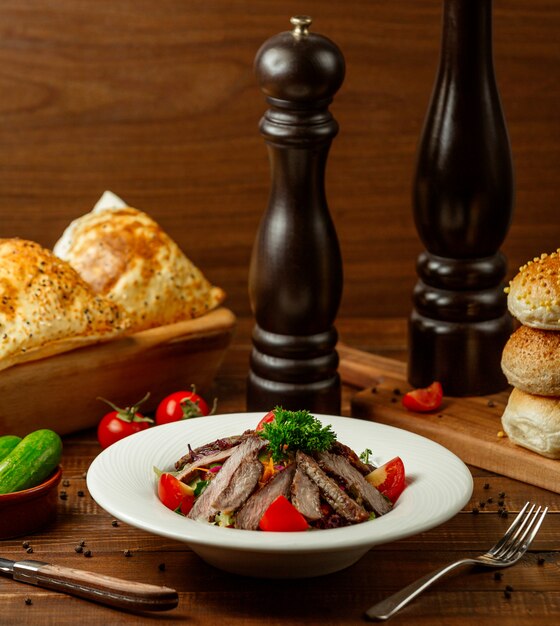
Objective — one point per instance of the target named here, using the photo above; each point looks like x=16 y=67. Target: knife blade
x=108 y=590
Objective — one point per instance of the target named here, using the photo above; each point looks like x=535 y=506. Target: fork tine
x=521 y=544
x=517 y=538
x=510 y=531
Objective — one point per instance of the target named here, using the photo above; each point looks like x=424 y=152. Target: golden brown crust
x=534 y=293
x=126 y=256
x=46 y=307
x=531 y=361
x=533 y=422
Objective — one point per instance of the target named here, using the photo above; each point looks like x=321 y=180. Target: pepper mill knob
x=295 y=277
x=299 y=65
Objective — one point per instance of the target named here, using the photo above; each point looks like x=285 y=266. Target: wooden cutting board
x=469 y=427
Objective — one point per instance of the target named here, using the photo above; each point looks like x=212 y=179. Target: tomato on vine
x=182 y=405
x=121 y=422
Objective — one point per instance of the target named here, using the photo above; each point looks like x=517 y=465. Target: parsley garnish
x=296 y=430
x=364 y=457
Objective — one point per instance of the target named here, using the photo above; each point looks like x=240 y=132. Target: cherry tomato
x=424 y=400
x=282 y=516
x=389 y=478
x=181 y=405
x=174 y=494
x=120 y=423
x=269 y=417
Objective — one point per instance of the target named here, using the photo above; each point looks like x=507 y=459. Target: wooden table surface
x=527 y=594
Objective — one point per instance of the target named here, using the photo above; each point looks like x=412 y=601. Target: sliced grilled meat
x=224 y=443
x=241 y=486
x=341 y=502
x=364 y=492
x=353 y=458
x=188 y=472
x=203 y=508
x=250 y=514
x=305 y=496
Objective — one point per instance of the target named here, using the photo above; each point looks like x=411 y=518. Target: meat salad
x=289 y=473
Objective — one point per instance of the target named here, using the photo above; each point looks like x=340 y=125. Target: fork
x=507 y=551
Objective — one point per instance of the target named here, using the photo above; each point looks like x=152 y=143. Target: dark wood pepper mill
x=463 y=204
x=295 y=278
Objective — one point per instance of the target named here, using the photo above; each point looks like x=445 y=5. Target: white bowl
x=122 y=481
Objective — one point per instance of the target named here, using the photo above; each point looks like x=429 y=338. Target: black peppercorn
x=29 y=550
x=486 y=486
x=475 y=510
x=87 y=553
x=78 y=549
x=114 y=523
x=161 y=567
x=498 y=575
x=25 y=544
x=28 y=601
x=127 y=553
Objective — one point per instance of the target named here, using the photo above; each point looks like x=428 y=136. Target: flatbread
x=127 y=257
x=46 y=307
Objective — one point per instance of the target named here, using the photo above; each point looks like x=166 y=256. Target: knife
x=114 y=592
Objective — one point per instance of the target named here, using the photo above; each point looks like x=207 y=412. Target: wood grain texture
x=158 y=102
x=208 y=596
x=47 y=393
x=467 y=426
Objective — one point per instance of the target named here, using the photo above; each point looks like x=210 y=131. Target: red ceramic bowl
x=25 y=512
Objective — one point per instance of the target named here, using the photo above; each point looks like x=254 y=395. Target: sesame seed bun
x=534 y=294
x=533 y=422
x=531 y=361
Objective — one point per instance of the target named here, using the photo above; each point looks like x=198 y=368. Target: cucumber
x=31 y=461
x=7 y=444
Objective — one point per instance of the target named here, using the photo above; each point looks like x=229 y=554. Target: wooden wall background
x=156 y=100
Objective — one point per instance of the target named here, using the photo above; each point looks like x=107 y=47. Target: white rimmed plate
x=122 y=481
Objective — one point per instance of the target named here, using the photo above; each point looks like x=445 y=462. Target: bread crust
x=127 y=257
x=46 y=308
x=533 y=422
x=531 y=361
x=534 y=293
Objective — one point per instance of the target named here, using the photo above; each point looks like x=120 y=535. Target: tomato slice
x=269 y=417
x=424 y=400
x=282 y=516
x=174 y=494
x=389 y=478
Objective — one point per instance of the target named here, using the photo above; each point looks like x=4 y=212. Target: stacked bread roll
x=531 y=357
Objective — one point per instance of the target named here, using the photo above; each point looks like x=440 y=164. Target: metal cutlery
x=507 y=551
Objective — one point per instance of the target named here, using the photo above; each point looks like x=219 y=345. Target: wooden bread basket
x=61 y=392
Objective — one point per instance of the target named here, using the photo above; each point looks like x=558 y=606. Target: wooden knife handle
x=114 y=592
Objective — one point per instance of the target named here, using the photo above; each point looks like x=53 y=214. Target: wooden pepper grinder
x=295 y=278
x=463 y=204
